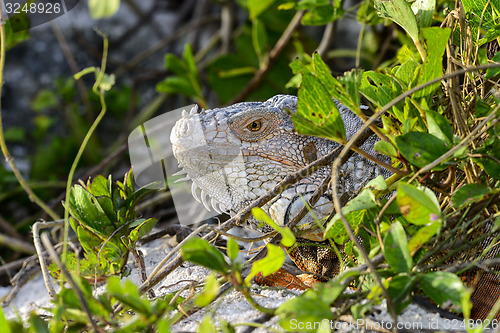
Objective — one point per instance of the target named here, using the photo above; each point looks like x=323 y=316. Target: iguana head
x=235 y=154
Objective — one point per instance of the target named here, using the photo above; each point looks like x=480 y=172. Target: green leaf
x=490 y=154
x=490 y=35
x=406 y=72
x=188 y=57
x=288 y=238
x=3 y=322
x=496 y=225
x=380 y=89
x=436 y=39
x=311 y=4
x=421 y=148
x=317 y=115
x=417 y=206
x=299 y=313
x=36 y=324
x=176 y=85
x=186 y=78
x=206 y=326
x=423 y=235
x=259 y=40
x=232 y=249
x=386 y=148
x=439 y=126
x=16 y=29
x=200 y=252
x=345 y=89
x=337 y=231
x=128 y=294
x=162 y=326
x=365 y=200
x=226 y=327
x=492 y=72
x=444 y=286
x=175 y=64
x=479 y=15
x=273 y=261
x=143 y=229
x=320 y=15
x=87 y=210
x=100 y=186
x=396 y=249
x=209 y=292
x=302 y=65
x=44 y=99
x=400 y=288
x=257 y=7
x=400 y=12
x=103 y=8
x=330 y=291
x=15 y=134
x=469 y=193
x=424 y=11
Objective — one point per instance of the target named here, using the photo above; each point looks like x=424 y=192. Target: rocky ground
x=233 y=307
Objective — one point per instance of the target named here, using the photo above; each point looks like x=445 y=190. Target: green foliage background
x=426 y=68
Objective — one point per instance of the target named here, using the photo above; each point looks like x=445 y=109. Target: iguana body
x=235 y=154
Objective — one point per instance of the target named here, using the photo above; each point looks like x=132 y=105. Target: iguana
x=235 y=154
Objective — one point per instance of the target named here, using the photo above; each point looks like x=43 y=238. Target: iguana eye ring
x=255 y=125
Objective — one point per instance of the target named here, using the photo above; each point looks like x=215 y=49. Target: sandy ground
x=233 y=307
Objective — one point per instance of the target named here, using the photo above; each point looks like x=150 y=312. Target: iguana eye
x=255 y=125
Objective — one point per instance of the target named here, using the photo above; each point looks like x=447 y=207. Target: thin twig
x=98 y=91
x=161 y=44
x=39 y=250
x=354 y=239
x=55 y=258
x=16 y=244
x=273 y=56
x=327 y=38
x=72 y=65
x=172 y=252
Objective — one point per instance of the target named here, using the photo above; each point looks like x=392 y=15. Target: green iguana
x=233 y=155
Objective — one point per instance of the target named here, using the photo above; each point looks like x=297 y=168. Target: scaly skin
x=236 y=154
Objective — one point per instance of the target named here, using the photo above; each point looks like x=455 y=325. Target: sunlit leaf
x=396 y=249
x=442 y=287
x=273 y=261
x=199 y=251
x=423 y=235
x=400 y=12
x=417 y=206
x=421 y=148
x=288 y=238
x=209 y=292
x=103 y=8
